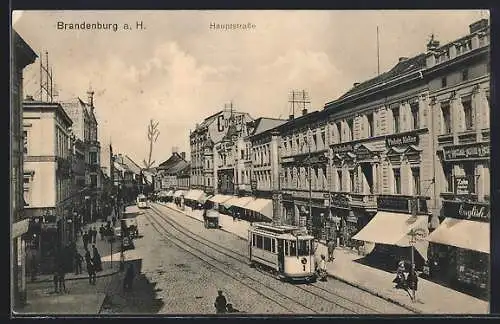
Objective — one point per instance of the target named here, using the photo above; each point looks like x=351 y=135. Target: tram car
x=283 y=250
x=211 y=218
x=142 y=201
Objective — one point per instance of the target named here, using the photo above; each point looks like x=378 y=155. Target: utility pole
x=46 y=79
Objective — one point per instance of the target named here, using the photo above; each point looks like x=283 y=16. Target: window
x=414 y=112
x=26 y=189
x=415 y=173
x=465 y=75
x=352 y=179
x=469 y=170
x=273 y=245
x=339 y=177
x=445 y=109
x=304 y=247
x=293 y=248
x=468 y=112
x=339 y=129
x=395 y=119
x=242 y=154
x=443 y=82
x=93 y=180
x=25 y=142
x=254 y=240
x=397 y=181
x=350 y=126
x=323 y=138
x=371 y=127
x=93 y=157
x=267 y=243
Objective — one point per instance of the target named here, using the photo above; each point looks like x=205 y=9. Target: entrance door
x=281 y=256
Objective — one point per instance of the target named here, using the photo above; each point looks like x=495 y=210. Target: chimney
x=478 y=25
x=304 y=111
x=183 y=155
x=90 y=96
x=355 y=84
x=291 y=117
x=433 y=44
x=403 y=58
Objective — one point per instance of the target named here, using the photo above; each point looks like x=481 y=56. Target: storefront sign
x=342 y=148
x=393 y=203
x=467 y=151
x=287 y=160
x=462 y=185
x=399 y=140
x=466 y=210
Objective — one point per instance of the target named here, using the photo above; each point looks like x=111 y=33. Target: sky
x=178 y=71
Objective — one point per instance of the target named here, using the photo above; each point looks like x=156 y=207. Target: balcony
x=365 y=201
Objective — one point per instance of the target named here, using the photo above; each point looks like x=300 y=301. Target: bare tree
x=153 y=133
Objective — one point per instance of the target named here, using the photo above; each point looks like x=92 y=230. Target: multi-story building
x=21 y=56
x=47 y=174
x=458 y=75
x=202 y=144
x=85 y=129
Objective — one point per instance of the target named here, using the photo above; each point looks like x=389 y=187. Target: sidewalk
x=431 y=298
x=81 y=298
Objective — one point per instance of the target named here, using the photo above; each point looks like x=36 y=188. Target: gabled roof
x=408 y=65
x=171 y=161
x=131 y=165
x=178 y=167
x=263 y=124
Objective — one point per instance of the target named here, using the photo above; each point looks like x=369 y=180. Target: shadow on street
x=141 y=299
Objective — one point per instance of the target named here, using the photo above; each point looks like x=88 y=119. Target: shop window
x=350 y=126
x=395 y=119
x=445 y=109
x=415 y=173
x=468 y=112
x=397 y=180
x=415 y=115
x=371 y=126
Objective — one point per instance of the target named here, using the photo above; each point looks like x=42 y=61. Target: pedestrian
x=90 y=268
x=96 y=258
x=61 y=277
x=331 y=249
x=94 y=235
x=412 y=280
x=55 y=279
x=85 y=238
x=400 y=276
x=129 y=278
x=322 y=268
x=78 y=263
x=101 y=231
x=220 y=303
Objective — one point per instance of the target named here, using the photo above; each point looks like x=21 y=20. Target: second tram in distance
x=284 y=250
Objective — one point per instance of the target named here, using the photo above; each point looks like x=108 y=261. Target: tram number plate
x=304 y=267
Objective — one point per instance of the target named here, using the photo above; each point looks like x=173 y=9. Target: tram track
x=315 y=289
x=227 y=270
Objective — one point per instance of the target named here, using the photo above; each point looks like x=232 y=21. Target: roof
x=171 y=161
x=409 y=65
x=32 y=104
x=131 y=165
x=263 y=124
x=178 y=167
x=24 y=54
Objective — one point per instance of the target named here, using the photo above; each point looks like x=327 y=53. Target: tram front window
x=293 y=248
x=304 y=247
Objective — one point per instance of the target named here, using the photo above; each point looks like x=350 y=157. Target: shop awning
x=219 y=199
x=393 y=229
x=229 y=203
x=465 y=234
x=179 y=193
x=170 y=193
x=242 y=202
x=262 y=206
x=194 y=194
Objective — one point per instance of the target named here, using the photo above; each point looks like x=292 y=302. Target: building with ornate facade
x=21 y=55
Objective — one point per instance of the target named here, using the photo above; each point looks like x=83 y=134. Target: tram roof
x=283 y=231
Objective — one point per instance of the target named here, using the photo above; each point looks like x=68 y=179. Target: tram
x=142 y=201
x=211 y=218
x=284 y=250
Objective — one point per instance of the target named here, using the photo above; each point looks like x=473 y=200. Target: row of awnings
x=396 y=229
x=259 y=205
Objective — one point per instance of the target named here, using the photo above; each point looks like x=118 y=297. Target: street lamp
x=415 y=236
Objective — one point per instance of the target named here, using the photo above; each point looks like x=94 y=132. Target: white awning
x=220 y=198
x=230 y=202
x=170 y=193
x=194 y=194
x=242 y=202
x=262 y=206
x=179 y=193
x=393 y=229
x=465 y=234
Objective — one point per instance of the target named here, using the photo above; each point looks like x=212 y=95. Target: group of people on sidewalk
x=406 y=279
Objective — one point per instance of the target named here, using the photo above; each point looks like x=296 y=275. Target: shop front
x=312 y=216
x=341 y=224
x=459 y=251
x=288 y=210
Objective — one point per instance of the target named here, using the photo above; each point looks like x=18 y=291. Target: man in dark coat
x=220 y=303
x=331 y=248
x=90 y=268
x=85 y=238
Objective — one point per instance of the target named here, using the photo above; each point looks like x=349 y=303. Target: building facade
x=47 y=175
x=21 y=55
x=459 y=90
